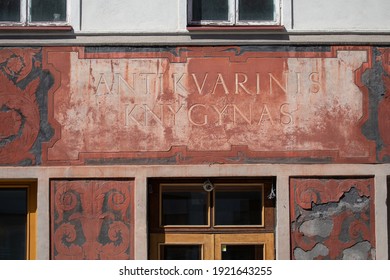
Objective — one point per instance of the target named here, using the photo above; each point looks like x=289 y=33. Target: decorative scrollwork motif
x=335 y=213
x=92 y=219
x=19 y=111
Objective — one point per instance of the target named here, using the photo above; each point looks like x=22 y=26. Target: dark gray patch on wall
x=46 y=131
x=372 y=79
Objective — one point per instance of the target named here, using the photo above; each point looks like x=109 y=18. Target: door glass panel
x=238 y=207
x=256 y=10
x=10 y=10
x=183 y=207
x=13 y=223
x=48 y=10
x=242 y=252
x=210 y=10
x=181 y=252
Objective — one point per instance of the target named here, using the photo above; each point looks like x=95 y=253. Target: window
x=17 y=221
x=33 y=12
x=233 y=12
x=184 y=206
x=226 y=205
x=214 y=218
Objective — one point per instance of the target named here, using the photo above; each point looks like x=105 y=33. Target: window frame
x=25 y=17
x=233 y=16
x=160 y=248
x=211 y=199
x=231 y=187
x=180 y=188
x=31 y=218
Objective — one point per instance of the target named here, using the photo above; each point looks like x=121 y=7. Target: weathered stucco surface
x=205 y=100
x=75 y=105
x=332 y=218
x=92 y=219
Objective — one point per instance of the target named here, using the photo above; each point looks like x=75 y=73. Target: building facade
x=190 y=129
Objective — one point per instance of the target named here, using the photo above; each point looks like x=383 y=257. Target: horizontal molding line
x=169 y=41
x=200 y=170
x=194 y=38
x=68 y=31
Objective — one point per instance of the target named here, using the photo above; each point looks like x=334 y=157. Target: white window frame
x=233 y=18
x=25 y=17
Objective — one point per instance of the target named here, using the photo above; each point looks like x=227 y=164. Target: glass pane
x=210 y=10
x=238 y=208
x=242 y=252
x=181 y=252
x=48 y=10
x=184 y=208
x=256 y=10
x=13 y=224
x=10 y=10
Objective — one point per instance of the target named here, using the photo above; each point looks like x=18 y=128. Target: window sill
x=250 y=28
x=61 y=28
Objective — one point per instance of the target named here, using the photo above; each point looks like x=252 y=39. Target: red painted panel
x=19 y=112
x=331 y=216
x=92 y=219
x=384 y=105
x=207 y=105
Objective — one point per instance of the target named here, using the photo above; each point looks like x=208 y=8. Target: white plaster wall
x=170 y=16
x=345 y=15
x=74 y=14
x=130 y=15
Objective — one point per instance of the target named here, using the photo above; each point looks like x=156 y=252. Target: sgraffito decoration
x=194 y=105
x=19 y=111
x=91 y=219
x=380 y=96
x=206 y=105
x=332 y=218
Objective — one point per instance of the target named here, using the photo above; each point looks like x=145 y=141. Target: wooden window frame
x=25 y=17
x=237 y=187
x=203 y=240
x=211 y=244
x=211 y=236
x=233 y=16
x=265 y=239
x=31 y=219
x=160 y=245
x=182 y=187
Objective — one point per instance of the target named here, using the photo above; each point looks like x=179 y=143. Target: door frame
x=31 y=218
x=211 y=243
x=210 y=236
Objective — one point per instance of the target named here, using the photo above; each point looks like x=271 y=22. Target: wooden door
x=214 y=219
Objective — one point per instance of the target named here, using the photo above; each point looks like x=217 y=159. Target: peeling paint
x=340 y=217
x=236 y=104
x=318 y=251
x=23 y=106
x=196 y=105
